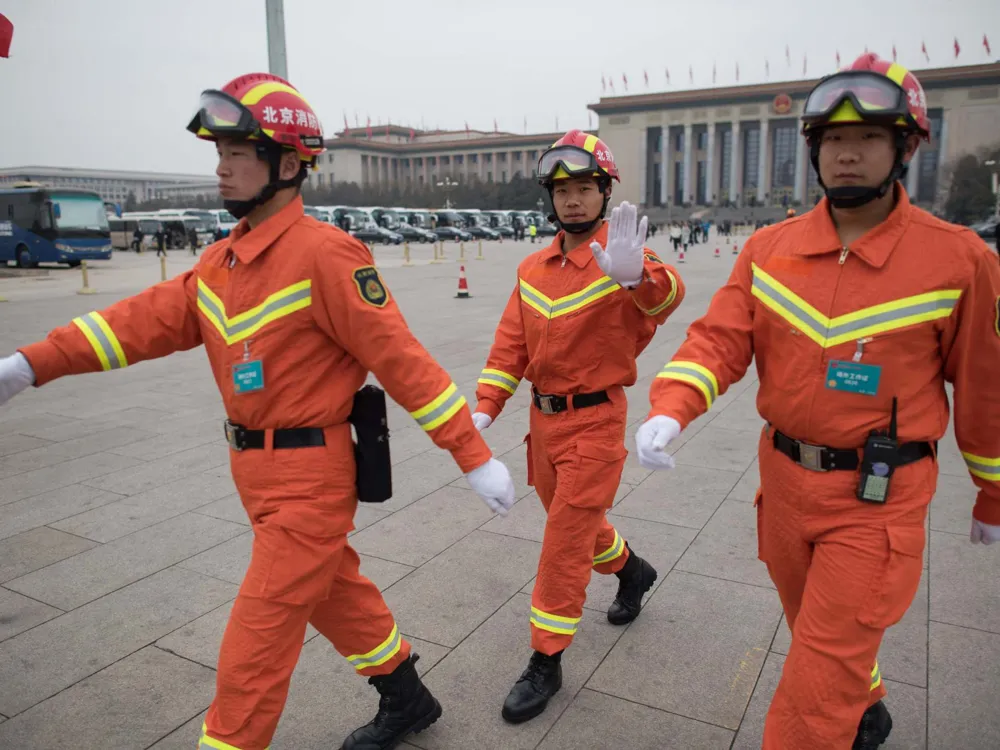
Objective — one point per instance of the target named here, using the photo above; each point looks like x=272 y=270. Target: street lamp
x=447 y=185
x=541 y=205
x=995 y=182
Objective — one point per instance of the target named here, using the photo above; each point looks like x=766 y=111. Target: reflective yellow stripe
x=283 y=302
x=206 y=741
x=554 y=623
x=876 y=677
x=103 y=341
x=590 y=143
x=500 y=379
x=982 y=467
x=666 y=303
x=381 y=653
x=869 y=321
x=440 y=410
x=551 y=308
x=261 y=90
x=613 y=552
x=694 y=374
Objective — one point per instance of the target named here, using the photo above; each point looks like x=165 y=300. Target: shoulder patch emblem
x=652 y=258
x=370 y=286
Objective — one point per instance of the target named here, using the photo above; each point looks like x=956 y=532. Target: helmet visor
x=872 y=95
x=575 y=162
x=219 y=113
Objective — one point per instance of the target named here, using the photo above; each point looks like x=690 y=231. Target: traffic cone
x=717 y=253
x=463 y=285
x=680 y=258
x=736 y=249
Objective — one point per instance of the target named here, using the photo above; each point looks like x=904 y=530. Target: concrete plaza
x=123 y=542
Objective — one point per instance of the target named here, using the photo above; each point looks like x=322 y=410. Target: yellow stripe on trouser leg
x=613 y=552
x=380 y=654
x=876 y=676
x=554 y=623
x=210 y=742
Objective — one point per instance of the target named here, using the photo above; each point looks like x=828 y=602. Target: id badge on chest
x=853 y=377
x=248 y=375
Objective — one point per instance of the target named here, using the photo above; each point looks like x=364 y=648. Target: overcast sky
x=112 y=83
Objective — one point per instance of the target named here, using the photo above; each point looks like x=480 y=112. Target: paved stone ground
x=122 y=543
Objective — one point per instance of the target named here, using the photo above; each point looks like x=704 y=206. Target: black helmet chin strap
x=853 y=196
x=582 y=227
x=272 y=154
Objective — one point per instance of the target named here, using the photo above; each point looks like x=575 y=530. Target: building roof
x=104 y=174
x=930 y=78
x=472 y=140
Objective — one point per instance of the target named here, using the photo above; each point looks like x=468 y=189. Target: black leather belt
x=555 y=404
x=817 y=458
x=240 y=438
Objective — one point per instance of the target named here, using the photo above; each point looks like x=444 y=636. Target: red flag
x=667 y=71
x=495 y=128
x=347 y=128
x=788 y=56
x=957 y=48
x=923 y=48
x=690 y=74
x=467 y=131
x=413 y=134
x=624 y=83
x=611 y=85
x=894 y=53
x=986 y=44
x=838 y=58
x=604 y=84
x=6 y=35
x=645 y=77
x=368 y=128
x=713 y=72
x=387 y=130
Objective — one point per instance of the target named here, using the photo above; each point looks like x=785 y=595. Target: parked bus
x=52 y=225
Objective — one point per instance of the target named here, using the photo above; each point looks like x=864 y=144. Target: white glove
x=622 y=260
x=15 y=375
x=493 y=484
x=984 y=533
x=481 y=421
x=653 y=436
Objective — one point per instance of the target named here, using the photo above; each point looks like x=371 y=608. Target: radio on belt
x=880 y=457
x=371 y=451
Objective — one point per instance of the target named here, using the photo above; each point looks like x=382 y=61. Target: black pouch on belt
x=371 y=450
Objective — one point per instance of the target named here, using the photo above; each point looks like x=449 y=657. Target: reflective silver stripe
x=501 y=379
x=380 y=656
x=581 y=297
x=613 y=552
x=979 y=467
x=273 y=307
x=106 y=346
x=440 y=413
x=547 y=622
x=776 y=297
x=891 y=315
x=543 y=303
x=699 y=376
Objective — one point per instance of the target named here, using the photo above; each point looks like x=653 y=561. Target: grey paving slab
x=183 y=737
x=526 y=520
x=637 y=727
x=50 y=507
x=718 y=448
x=717 y=630
x=162 y=471
x=227 y=561
x=199 y=640
x=419 y=477
x=157 y=446
x=751 y=733
x=516 y=461
x=32 y=550
x=128 y=705
x=56 y=453
x=134 y=512
x=746 y=489
x=741 y=414
x=12 y=443
x=383 y=573
x=92 y=574
x=19 y=613
x=228 y=508
x=965 y=586
x=964 y=674
x=686 y=496
x=28 y=424
x=727 y=547
x=39 y=481
x=56 y=654
x=951 y=508
x=474 y=679
x=364 y=516
x=420 y=531
x=447 y=598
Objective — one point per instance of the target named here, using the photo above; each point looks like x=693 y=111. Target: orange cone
x=680 y=258
x=463 y=285
x=717 y=253
x=736 y=249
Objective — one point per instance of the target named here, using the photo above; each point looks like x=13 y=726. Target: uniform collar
x=247 y=244
x=874 y=247
x=579 y=256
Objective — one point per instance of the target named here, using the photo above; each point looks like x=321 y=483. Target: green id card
x=853 y=377
x=248 y=377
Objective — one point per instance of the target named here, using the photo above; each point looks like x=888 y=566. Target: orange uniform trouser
x=301 y=503
x=845 y=571
x=575 y=462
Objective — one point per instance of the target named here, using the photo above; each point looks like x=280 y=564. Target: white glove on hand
x=984 y=533
x=481 y=421
x=653 y=436
x=622 y=260
x=493 y=484
x=15 y=375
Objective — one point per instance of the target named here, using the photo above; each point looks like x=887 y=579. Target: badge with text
x=853 y=377
x=370 y=286
x=248 y=377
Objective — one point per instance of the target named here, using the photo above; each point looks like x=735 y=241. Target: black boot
x=874 y=728
x=405 y=706
x=530 y=694
x=634 y=580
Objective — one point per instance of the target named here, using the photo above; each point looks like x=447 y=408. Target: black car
x=377 y=235
x=451 y=233
x=548 y=229
x=482 y=233
x=416 y=234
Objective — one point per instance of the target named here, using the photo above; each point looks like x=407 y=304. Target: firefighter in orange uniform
x=857 y=312
x=293 y=316
x=582 y=311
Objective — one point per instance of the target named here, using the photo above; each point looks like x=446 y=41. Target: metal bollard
x=86 y=286
x=479 y=256
x=461 y=251
x=163 y=268
x=406 y=254
x=437 y=254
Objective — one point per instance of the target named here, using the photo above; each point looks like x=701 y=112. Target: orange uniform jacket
x=916 y=296
x=300 y=297
x=568 y=328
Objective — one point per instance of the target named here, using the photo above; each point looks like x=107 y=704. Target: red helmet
x=576 y=154
x=869 y=90
x=260 y=105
